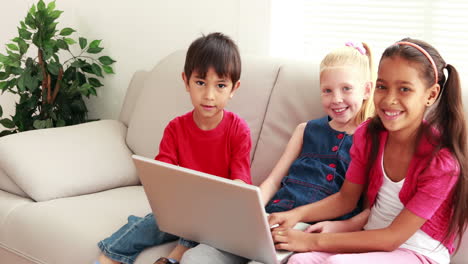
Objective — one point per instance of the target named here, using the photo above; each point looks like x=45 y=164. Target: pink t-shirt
x=428 y=184
x=223 y=151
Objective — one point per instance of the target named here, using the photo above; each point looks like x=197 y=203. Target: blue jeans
x=134 y=237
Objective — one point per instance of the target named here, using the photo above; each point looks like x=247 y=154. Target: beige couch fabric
x=68 y=161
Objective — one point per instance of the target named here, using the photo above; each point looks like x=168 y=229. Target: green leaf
x=6 y=133
x=38 y=124
x=23 y=46
x=3 y=58
x=52 y=27
x=78 y=64
x=85 y=89
x=87 y=68
x=3 y=86
x=97 y=70
x=32 y=10
x=53 y=68
x=49 y=123
x=60 y=123
x=3 y=76
x=7 y=123
x=55 y=14
x=94 y=50
x=106 y=60
x=67 y=31
x=62 y=44
x=108 y=69
x=30 y=21
x=95 y=82
x=31 y=82
x=51 y=6
x=92 y=91
x=69 y=41
x=1 y=111
x=95 y=43
x=83 y=42
x=41 y=5
x=12 y=46
x=20 y=84
x=24 y=33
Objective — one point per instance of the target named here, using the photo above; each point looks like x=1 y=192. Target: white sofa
x=64 y=189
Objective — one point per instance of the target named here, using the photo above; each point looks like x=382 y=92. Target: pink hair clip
x=357 y=45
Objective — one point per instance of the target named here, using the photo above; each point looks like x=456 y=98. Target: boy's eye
x=200 y=83
x=222 y=85
x=326 y=90
x=379 y=87
x=346 y=88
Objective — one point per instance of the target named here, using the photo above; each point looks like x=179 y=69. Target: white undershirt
x=386 y=208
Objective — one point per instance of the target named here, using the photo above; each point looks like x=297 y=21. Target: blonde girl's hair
x=352 y=56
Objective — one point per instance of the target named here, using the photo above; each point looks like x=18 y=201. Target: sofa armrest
x=68 y=161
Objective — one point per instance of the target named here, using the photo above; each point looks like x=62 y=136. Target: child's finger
x=274 y=220
x=283 y=246
x=316 y=228
x=279 y=236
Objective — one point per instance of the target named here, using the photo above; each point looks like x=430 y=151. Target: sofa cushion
x=68 y=161
x=164 y=97
x=295 y=99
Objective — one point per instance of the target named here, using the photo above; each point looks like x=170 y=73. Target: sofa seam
x=20 y=254
x=266 y=111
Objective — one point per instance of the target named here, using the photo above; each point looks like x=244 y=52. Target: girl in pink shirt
x=414 y=170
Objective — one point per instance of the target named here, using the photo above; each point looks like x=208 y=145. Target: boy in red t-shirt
x=208 y=139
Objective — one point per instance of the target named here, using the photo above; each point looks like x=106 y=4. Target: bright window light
x=306 y=29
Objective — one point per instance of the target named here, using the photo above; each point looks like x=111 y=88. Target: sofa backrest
x=274 y=97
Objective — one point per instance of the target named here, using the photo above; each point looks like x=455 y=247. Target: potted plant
x=50 y=89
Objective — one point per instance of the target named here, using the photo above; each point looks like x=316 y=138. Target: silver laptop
x=222 y=213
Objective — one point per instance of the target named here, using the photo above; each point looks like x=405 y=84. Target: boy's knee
x=199 y=255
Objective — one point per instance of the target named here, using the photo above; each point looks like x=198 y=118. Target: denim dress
x=318 y=172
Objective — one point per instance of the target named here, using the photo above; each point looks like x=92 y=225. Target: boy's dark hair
x=447 y=116
x=214 y=50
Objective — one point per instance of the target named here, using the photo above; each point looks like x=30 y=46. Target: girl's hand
x=330 y=227
x=293 y=240
x=286 y=219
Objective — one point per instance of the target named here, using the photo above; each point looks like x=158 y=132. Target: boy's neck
x=208 y=123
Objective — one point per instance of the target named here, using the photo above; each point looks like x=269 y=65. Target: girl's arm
x=386 y=239
x=331 y=207
x=272 y=183
x=356 y=223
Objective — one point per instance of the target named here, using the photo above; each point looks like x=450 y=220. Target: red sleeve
x=356 y=172
x=168 y=145
x=434 y=185
x=240 y=155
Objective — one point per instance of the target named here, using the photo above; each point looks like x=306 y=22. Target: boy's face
x=209 y=96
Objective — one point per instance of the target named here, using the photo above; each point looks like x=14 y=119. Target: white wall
x=139 y=33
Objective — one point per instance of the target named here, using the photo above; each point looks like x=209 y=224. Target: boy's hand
x=293 y=240
x=286 y=219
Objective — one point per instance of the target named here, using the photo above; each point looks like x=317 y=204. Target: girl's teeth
x=391 y=113
x=340 y=110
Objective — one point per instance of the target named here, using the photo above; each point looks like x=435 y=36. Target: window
x=309 y=29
